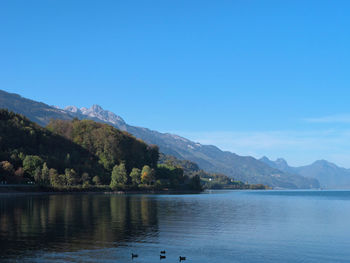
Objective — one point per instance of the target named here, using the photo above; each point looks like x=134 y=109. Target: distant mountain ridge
x=208 y=157
x=328 y=174
x=38 y=112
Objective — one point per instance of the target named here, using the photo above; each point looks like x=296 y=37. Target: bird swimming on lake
x=162 y=252
x=134 y=255
x=162 y=257
x=182 y=258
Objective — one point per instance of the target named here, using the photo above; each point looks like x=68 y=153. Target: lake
x=216 y=226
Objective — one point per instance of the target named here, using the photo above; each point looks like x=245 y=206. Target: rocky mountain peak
x=72 y=109
x=96 y=108
x=97 y=112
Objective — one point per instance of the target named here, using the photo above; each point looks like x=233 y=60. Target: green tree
x=96 y=180
x=147 y=175
x=31 y=163
x=37 y=175
x=135 y=176
x=62 y=180
x=45 y=174
x=71 y=177
x=55 y=179
x=85 y=177
x=119 y=175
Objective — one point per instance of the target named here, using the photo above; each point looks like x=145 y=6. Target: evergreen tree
x=195 y=183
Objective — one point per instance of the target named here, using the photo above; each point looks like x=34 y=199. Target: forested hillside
x=82 y=153
x=30 y=152
x=111 y=145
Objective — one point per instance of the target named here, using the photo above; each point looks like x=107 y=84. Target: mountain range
x=328 y=174
x=209 y=158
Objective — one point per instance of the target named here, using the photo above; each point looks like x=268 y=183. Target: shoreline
x=13 y=189
x=38 y=190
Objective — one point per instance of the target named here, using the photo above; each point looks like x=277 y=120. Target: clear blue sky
x=254 y=77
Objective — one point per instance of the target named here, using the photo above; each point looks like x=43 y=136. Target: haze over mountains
x=208 y=157
x=328 y=174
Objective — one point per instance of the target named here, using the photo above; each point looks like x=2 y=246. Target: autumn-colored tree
x=7 y=167
x=19 y=172
x=147 y=175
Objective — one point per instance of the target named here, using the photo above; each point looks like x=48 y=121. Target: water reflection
x=226 y=227
x=73 y=222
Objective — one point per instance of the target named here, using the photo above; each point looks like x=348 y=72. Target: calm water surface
x=219 y=226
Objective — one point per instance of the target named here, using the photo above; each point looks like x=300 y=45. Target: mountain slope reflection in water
x=217 y=226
